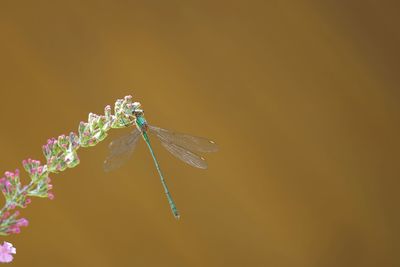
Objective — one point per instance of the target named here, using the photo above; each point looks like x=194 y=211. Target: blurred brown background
x=301 y=96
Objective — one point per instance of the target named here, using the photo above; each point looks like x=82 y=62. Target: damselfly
x=183 y=146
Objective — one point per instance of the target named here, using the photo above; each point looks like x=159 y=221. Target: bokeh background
x=301 y=96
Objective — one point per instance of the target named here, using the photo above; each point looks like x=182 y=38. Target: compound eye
x=138 y=112
x=136 y=105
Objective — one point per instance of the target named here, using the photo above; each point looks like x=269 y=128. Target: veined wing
x=120 y=150
x=188 y=142
x=182 y=146
x=185 y=155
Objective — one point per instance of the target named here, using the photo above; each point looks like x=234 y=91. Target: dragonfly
x=183 y=146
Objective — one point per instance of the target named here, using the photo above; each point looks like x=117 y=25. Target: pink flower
x=5 y=252
x=50 y=195
x=22 y=222
x=13 y=229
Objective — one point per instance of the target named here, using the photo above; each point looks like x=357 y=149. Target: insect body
x=183 y=146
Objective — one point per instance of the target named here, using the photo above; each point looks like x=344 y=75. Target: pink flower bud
x=5 y=183
x=22 y=222
x=50 y=195
x=5 y=215
x=14 y=230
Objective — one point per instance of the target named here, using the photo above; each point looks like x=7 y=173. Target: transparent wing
x=120 y=150
x=188 y=142
x=185 y=155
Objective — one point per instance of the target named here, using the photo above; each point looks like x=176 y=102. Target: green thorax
x=141 y=123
